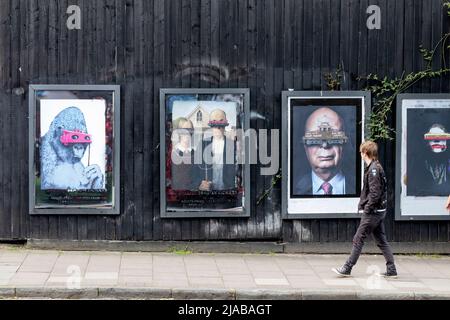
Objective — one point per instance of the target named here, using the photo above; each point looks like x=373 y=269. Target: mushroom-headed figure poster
x=204 y=167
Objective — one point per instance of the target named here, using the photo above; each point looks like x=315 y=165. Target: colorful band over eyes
x=437 y=137
x=75 y=137
x=319 y=142
x=325 y=134
x=218 y=123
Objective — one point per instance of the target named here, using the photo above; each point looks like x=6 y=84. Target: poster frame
x=164 y=213
x=365 y=96
x=74 y=209
x=438 y=201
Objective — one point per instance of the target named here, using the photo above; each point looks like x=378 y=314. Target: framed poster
x=74 y=151
x=423 y=156
x=322 y=170
x=204 y=172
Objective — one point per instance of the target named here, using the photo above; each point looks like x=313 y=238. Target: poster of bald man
x=423 y=166
x=322 y=135
x=72 y=136
x=204 y=172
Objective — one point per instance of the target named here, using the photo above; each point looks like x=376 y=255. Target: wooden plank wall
x=144 y=45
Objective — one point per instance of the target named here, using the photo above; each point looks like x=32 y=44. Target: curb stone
x=328 y=295
x=432 y=296
x=268 y=295
x=7 y=293
x=211 y=294
x=203 y=294
x=385 y=295
x=56 y=293
x=134 y=293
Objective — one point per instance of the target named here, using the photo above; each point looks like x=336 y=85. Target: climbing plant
x=333 y=79
x=274 y=182
x=385 y=90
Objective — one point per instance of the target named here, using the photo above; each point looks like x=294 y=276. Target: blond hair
x=370 y=148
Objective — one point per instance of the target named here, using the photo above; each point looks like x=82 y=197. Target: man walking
x=373 y=203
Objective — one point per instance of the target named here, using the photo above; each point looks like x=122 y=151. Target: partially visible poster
x=73 y=165
x=423 y=173
x=428 y=157
x=204 y=172
x=322 y=170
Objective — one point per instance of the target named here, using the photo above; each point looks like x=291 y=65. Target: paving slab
x=206 y=281
x=29 y=274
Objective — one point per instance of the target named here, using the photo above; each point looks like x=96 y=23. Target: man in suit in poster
x=220 y=168
x=324 y=142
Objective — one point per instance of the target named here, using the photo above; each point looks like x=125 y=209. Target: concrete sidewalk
x=116 y=275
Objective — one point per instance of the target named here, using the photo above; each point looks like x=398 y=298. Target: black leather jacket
x=374 y=194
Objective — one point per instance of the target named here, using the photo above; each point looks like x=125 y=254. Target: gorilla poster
x=72 y=153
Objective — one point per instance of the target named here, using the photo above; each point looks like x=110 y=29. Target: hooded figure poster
x=428 y=154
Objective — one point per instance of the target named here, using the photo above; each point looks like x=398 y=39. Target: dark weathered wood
x=298 y=45
x=6 y=81
x=260 y=107
x=145 y=45
x=148 y=146
x=128 y=152
x=273 y=61
x=159 y=54
x=289 y=32
x=251 y=69
x=22 y=224
x=307 y=44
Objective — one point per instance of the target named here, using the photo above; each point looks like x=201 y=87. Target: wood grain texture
x=145 y=45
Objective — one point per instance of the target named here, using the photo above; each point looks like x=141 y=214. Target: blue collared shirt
x=338 y=184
